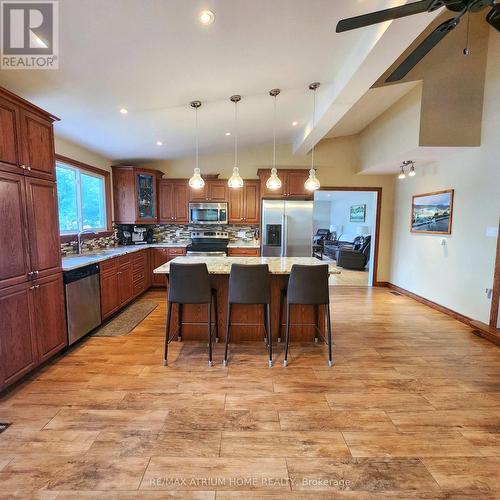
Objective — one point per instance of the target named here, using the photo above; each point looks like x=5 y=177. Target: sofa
x=355 y=256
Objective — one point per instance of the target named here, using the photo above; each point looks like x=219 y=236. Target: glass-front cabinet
x=146 y=191
x=135 y=194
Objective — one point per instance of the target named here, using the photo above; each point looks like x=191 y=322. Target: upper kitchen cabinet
x=174 y=195
x=214 y=190
x=9 y=137
x=26 y=138
x=135 y=195
x=244 y=204
x=292 y=184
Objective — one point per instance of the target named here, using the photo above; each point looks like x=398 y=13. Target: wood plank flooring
x=411 y=409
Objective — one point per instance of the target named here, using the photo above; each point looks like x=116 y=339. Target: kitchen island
x=247 y=321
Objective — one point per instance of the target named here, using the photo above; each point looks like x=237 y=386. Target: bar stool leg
x=269 y=334
x=287 y=334
x=228 y=330
x=329 y=335
x=280 y=316
x=179 y=334
x=216 y=315
x=209 y=325
x=167 y=332
x=316 y=322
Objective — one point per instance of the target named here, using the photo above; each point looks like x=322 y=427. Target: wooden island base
x=247 y=321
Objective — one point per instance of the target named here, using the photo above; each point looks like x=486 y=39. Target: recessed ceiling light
x=228 y=133
x=123 y=111
x=294 y=124
x=207 y=17
x=159 y=143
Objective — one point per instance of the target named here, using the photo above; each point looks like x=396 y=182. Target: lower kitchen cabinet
x=33 y=326
x=110 y=301
x=243 y=252
x=49 y=316
x=159 y=257
x=125 y=284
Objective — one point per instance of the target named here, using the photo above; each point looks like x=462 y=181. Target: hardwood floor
x=411 y=409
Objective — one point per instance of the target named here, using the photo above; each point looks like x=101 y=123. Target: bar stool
x=250 y=284
x=308 y=285
x=190 y=284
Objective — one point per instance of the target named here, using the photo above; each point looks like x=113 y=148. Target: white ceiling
x=153 y=57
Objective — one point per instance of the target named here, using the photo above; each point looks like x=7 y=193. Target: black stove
x=208 y=243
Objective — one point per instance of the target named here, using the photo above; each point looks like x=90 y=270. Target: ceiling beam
x=378 y=47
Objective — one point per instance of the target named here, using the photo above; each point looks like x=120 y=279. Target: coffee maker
x=142 y=235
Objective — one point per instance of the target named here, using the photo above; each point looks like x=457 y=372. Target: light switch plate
x=492 y=232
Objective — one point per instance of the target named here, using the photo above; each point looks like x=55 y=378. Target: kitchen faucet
x=79 y=238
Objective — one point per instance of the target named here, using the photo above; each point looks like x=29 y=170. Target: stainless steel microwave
x=208 y=213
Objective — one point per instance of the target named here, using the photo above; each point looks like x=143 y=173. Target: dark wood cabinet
x=43 y=227
x=244 y=204
x=110 y=301
x=32 y=316
x=49 y=316
x=159 y=257
x=37 y=145
x=214 y=190
x=292 y=184
x=14 y=249
x=135 y=195
x=18 y=353
x=141 y=274
x=125 y=284
x=243 y=252
x=9 y=137
x=174 y=201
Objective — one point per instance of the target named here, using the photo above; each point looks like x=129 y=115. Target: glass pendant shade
x=412 y=172
x=274 y=182
x=235 y=181
x=312 y=182
x=402 y=174
x=196 y=182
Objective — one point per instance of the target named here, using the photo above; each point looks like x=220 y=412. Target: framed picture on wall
x=358 y=213
x=432 y=213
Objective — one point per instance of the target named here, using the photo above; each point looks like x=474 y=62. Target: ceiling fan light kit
x=459 y=7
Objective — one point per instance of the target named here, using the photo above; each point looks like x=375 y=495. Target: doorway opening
x=345 y=224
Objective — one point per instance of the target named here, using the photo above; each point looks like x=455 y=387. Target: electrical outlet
x=489 y=293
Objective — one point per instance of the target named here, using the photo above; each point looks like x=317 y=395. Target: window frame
x=67 y=236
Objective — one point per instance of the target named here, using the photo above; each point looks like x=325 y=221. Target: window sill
x=66 y=238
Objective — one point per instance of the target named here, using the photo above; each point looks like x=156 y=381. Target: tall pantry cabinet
x=32 y=312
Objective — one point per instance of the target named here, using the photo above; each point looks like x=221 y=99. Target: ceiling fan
x=460 y=7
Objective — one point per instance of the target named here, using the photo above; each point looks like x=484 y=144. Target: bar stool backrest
x=308 y=285
x=189 y=284
x=249 y=284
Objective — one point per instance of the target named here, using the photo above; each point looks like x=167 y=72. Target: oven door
x=208 y=213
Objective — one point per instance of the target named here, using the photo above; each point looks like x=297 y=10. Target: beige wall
x=457 y=274
x=79 y=153
x=336 y=161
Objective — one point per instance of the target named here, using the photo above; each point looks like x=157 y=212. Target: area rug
x=127 y=320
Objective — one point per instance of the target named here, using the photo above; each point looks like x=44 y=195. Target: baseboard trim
x=487 y=332
x=434 y=305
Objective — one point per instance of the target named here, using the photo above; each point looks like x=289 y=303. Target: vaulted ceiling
x=153 y=57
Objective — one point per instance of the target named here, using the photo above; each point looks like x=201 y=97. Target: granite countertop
x=244 y=244
x=81 y=260
x=222 y=265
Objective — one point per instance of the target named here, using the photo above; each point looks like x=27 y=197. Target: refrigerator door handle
x=284 y=243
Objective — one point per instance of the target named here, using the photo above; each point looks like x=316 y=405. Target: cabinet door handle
x=23 y=167
x=34 y=287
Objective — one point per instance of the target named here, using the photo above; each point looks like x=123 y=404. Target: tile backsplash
x=163 y=233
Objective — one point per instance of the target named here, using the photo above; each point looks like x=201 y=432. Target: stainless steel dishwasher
x=83 y=301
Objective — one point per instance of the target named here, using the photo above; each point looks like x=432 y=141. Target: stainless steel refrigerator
x=287 y=228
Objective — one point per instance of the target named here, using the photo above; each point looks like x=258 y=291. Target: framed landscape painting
x=432 y=212
x=358 y=213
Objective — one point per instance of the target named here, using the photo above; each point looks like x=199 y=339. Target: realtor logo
x=30 y=35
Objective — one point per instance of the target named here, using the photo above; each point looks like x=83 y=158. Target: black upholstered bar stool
x=308 y=285
x=250 y=285
x=190 y=284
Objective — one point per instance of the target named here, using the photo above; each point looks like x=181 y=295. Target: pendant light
x=411 y=172
x=402 y=174
x=196 y=181
x=312 y=182
x=235 y=181
x=274 y=182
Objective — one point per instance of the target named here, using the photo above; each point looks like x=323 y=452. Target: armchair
x=355 y=256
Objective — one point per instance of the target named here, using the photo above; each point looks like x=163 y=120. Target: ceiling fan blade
x=494 y=17
x=423 y=49
x=388 y=14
